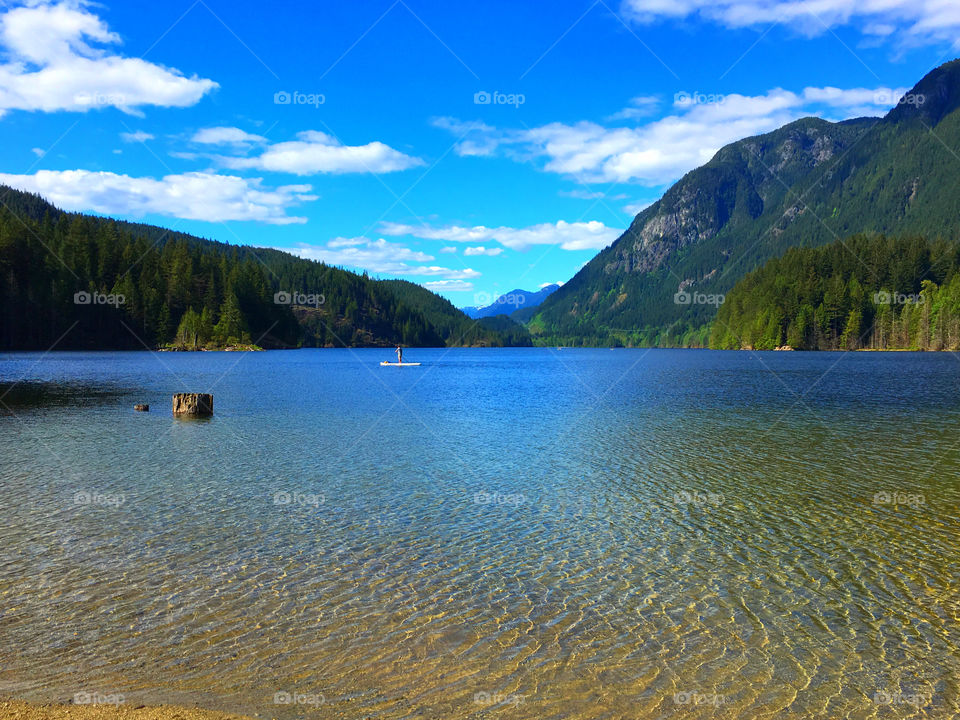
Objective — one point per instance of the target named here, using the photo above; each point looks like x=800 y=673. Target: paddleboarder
x=399 y=355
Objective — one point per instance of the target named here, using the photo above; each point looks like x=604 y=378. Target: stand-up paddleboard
x=394 y=364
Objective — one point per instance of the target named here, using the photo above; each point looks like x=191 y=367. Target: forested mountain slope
x=87 y=282
x=805 y=184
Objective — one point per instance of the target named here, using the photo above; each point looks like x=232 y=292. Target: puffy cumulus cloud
x=914 y=21
x=315 y=152
x=379 y=256
x=54 y=60
x=191 y=196
x=225 y=136
x=591 y=235
x=481 y=250
x=662 y=150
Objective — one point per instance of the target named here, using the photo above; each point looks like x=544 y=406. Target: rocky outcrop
x=737 y=186
x=193 y=404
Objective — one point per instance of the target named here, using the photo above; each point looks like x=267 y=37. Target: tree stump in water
x=194 y=404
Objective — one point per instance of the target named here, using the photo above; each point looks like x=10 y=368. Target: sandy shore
x=19 y=710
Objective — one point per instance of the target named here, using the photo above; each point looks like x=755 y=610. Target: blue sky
x=471 y=148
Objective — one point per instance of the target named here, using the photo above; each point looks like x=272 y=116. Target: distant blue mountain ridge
x=511 y=302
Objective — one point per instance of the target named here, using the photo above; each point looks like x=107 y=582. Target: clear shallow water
x=522 y=533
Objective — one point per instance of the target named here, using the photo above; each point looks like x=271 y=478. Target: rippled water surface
x=516 y=533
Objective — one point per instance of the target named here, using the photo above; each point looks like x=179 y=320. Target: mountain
x=511 y=302
x=863 y=292
x=805 y=184
x=74 y=281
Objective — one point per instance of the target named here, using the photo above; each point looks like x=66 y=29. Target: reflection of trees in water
x=29 y=395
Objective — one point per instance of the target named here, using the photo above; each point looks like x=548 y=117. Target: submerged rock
x=141 y=407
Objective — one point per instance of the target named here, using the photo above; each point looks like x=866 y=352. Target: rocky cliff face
x=738 y=185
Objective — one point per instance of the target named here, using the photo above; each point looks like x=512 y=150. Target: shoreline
x=13 y=709
x=473 y=347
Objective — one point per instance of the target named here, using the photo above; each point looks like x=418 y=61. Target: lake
x=516 y=533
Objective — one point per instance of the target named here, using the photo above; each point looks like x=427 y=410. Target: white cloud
x=39 y=152
x=372 y=255
x=662 y=150
x=916 y=20
x=639 y=107
x=448 y=286
x=378 y=256
x=581 y=194
x=449 y=250
x=191 y=196
x=591 y=235
x=448 y=273
x=138 y=136
x=476 y=138
x=481 y=250
x=225 y=136
x=53 y=62
x=342 y=242
x=316 y=152
x=547 y=284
